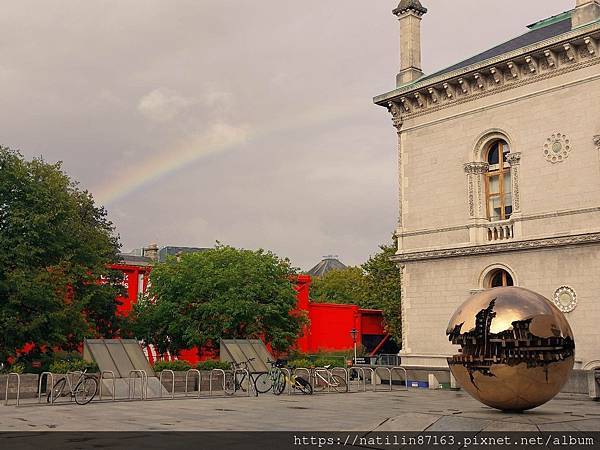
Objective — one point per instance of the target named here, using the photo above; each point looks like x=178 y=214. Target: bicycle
x=273 y=379
x=234 y=381
x=84 y=391
x=332 y=381
x=296 y=382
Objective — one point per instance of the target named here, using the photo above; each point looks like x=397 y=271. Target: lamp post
x=354 y=333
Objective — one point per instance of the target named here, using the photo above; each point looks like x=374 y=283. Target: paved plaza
x=415 y=410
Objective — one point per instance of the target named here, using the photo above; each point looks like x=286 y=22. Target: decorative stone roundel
x=557 y=148
x=565 y=299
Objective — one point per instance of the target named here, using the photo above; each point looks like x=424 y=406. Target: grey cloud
x=314 y=168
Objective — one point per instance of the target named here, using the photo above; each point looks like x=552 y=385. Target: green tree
x=382 y=279
x=341 y=286
x=199 y=298
x=55 y=245
x=375 y=284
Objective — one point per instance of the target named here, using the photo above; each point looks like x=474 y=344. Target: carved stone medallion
x=557 y=148
x=565 y=299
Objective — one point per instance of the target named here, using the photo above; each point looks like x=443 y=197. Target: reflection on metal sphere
x=517 y=348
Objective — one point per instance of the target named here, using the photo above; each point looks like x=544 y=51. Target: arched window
x=498 y=185
x=498 y=278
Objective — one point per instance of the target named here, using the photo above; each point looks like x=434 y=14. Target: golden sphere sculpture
x=516 y=348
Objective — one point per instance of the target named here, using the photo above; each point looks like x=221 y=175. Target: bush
x=176 y=366
x=72 y=365
x=295 y=363
x=14 y=368
x=213 y=364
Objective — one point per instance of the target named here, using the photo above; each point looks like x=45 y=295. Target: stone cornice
x=582 y=239
x=562 y=54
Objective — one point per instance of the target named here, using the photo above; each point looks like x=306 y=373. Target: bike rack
x=187 y=374
x=360 y=370
x=113 y=382
x=249 y=381
x=210 y=378
x=405 y=376
x=346 y=376
x=172 y=382
x=389 y=372
x=144 y=380
x=51 y=377
x=18 y=387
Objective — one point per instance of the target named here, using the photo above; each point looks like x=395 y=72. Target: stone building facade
x=499 y=177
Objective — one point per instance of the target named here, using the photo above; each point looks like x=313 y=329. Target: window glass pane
x=509 y=280
x=494 y=184
x=493 y=154
x=507 y=183
x=496 y=280
x=505 y=150
x=495 y=208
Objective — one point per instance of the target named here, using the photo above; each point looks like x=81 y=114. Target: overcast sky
x=248 y=122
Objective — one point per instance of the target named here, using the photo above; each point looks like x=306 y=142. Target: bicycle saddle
x=327 y=366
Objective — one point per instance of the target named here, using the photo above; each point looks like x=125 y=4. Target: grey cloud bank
x=240 y=121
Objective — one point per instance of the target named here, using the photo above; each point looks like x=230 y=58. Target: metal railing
x=160 y=381
x=386 y=359
x=364 y=376
x=102 y=378
x=389 y=372
x=210 y=380
x=49 y=376
x=18 y=387
x=135 y=375
x=398 y=368
x=187 y=375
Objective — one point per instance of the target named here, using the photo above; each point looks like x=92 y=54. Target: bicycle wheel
x=303 y=386
x=85 y=391
x=320 y=382
x=279 y=383
x=229 y=384
x=263 y=383
x=56 y=391
x=338 y=383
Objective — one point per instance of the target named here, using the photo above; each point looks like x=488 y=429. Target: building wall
x=556 y=200
x=434 y=147
x=434 y=289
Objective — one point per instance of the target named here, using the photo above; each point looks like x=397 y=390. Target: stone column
x=514 y=159
x=475 y=197
x=475 y=171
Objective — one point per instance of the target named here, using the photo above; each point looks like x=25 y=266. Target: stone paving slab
x=416 y=410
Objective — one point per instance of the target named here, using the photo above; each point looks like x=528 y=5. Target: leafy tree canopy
x=55 y=247
x=375 y=284
x=199 y=298
x=347 y=285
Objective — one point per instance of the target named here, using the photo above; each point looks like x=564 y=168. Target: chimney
x=586 y=11
x=409 y=14
x=151 y=252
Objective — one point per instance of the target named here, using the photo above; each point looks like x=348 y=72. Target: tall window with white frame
x=498 y=184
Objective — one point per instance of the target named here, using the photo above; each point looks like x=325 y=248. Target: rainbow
x=219 y=138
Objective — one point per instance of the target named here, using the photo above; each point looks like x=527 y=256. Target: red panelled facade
x=329 y=328
x=331 y=323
